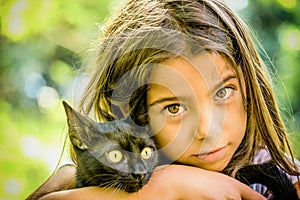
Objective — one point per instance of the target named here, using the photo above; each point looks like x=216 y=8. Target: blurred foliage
x=277 y=27
x=43 y=44
x=42 y=47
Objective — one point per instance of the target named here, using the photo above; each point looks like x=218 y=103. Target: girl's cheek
x=175 y=139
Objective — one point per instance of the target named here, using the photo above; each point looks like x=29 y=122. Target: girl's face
x=196 y=110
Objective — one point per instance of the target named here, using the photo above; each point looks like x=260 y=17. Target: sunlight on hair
x=237 y=4
x=48 y=98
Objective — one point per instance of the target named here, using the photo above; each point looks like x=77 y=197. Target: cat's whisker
x=114 y=184
x=118 y=188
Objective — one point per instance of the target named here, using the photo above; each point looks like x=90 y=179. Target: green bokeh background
x=44 y=47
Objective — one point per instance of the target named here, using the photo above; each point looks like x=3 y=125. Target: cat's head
x=116 y=154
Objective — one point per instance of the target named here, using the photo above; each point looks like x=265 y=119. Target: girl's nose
x=210 y=122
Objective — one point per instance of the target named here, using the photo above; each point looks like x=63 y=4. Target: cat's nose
x=138 y=176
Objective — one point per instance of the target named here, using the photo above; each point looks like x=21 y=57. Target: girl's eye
x=146 y=153
x=224 y=93
x=174 y=109
x=115 y=156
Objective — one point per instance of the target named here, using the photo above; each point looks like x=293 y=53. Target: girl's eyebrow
x=226 y=79
x=165 y=99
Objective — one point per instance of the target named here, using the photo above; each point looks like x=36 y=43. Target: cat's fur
x=269 y=175
x=92 y=143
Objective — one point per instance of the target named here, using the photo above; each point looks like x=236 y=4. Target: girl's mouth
x=212 y=155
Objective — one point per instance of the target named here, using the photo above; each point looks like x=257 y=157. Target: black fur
x=269 y=175
x=92 y=143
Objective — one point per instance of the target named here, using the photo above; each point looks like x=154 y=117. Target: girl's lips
x=212 y=155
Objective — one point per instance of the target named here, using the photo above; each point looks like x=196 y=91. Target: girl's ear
x=80 y=128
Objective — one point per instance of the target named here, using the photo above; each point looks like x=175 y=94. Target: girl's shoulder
x=263 y=155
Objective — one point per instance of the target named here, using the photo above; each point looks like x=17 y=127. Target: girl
x=190 y=69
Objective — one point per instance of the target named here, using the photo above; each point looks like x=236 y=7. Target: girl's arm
x=63 y=179
x=169 y=182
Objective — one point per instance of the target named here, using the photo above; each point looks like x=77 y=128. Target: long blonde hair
x=149 y=31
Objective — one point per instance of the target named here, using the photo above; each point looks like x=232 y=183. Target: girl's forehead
x=207 y=67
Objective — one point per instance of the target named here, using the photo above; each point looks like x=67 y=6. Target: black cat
x=116 y=154
x=269 y=175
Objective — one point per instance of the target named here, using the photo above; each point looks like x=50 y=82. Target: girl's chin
x=216 y=166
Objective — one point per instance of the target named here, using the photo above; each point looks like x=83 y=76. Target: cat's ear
x=80 y=127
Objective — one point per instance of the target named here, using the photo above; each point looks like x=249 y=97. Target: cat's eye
x=146 y=153
x=115 y=156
